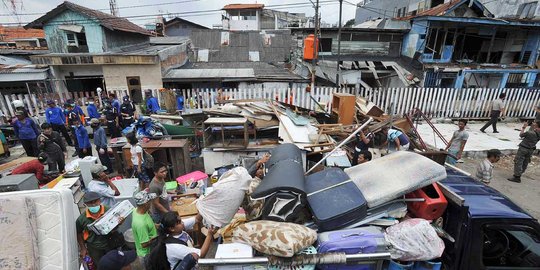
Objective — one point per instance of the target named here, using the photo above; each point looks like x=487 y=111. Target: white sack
x=414 y=240
x=219 y=206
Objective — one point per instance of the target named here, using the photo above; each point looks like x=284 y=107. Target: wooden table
x=172 y=152
x=226 y=141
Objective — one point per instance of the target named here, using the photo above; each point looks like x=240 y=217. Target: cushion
x=275 y=238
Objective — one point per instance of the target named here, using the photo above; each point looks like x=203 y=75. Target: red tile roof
x=10 y=33
x=243 y=6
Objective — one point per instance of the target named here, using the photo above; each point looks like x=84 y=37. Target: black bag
x=116 y=240
x=148 y=160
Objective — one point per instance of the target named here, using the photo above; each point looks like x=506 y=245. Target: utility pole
x=338 y=70
x=114 y=8
x=315 y=46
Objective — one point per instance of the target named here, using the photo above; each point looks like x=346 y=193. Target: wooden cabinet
x=343 y=105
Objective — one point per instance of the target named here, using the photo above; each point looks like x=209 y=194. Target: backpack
x=148 y=160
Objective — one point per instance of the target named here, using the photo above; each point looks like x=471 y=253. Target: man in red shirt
x=34 y=166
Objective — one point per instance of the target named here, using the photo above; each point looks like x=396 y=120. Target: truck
x=489 y=230
x=485 y=230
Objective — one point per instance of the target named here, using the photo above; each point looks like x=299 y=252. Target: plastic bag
x=219 y=206
x=414 y=240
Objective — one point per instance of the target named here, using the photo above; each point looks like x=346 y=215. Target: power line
x=161 y=4
x=178 y=14
x=108 y=9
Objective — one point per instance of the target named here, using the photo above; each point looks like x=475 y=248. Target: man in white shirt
x=102 y=185
x=497 y=110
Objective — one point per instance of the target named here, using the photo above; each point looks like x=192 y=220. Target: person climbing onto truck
x=174 y=249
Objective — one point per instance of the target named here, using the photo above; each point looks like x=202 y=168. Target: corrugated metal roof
x=13 y=60
x=21 y=73
x=444 y=9
x=261 y=71
x=273 y=46
x=243 y=6
x=212 y=74
x=106 y=20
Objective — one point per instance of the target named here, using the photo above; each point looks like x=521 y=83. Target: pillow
x=275 y=238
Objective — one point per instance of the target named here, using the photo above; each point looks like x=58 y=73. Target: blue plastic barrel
x=398 y=266
x=427 y=265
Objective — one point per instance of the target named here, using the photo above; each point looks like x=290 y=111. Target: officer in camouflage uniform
x=525 y=150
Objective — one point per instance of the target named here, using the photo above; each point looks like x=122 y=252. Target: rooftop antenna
x=114 y=8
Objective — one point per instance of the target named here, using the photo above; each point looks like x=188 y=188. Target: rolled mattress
x=55 y=214
x=387 y=178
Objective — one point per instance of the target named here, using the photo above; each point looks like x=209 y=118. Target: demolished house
x=460 y=44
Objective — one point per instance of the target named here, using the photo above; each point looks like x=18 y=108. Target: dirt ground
x=525 y=194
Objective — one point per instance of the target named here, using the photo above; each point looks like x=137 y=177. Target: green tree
x=349 y=23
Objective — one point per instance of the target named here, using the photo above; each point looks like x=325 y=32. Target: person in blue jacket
x=115 y=103
x=92 y=110
x=84 y=146
x=56 y=117
x=179 y=101
x=27 y=132
x=78 y=110
x=152 y=104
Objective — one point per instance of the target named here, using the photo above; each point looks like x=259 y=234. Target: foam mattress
x=55 y=218
x=384 y=179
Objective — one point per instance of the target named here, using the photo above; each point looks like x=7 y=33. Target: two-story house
x=254 y=17
x=91 y=49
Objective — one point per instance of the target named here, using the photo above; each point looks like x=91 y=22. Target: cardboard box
x=236 y=250
x=110 y=220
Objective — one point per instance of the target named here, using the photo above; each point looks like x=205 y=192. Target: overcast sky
x=330 y=9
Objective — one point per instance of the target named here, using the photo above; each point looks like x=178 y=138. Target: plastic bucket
x=398 y=266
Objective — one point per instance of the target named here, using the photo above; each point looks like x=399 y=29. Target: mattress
x=387 y=178
x=56 y=213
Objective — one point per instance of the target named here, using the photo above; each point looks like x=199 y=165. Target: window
x=527 y=10
x=510 y=246
x=72 y=39
x=76 y=39
x=243 y=15
x=326 y=45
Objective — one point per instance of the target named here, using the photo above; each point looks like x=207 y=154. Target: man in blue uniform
x=55 y=116
x=111 y=114
x=85 y=148
x=152 y=104
x=179 y=101
x=92 y=110
x=127 y=111
x=114 y=102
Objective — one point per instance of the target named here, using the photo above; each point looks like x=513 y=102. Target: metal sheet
x=71 y=27
x=210 y=73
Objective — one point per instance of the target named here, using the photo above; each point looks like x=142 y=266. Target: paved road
x=526 y=194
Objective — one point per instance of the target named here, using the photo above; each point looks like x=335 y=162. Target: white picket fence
x=434 y=102
x=36 y=103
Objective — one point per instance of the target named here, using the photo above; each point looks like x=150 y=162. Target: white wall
x=115 y=76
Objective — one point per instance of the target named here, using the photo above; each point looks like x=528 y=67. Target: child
x=484 y=171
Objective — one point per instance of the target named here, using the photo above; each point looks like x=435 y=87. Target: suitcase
x=434 y=205
x=334 y=199
x=352 y=241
